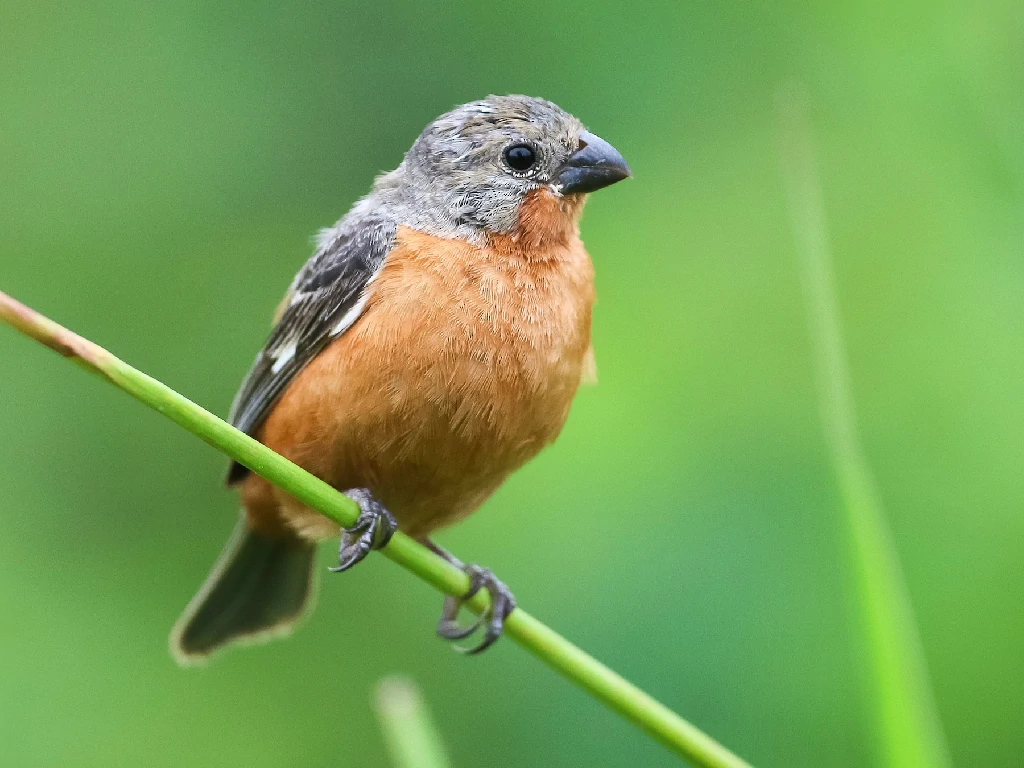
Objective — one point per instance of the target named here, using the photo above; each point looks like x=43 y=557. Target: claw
x=372 y=530
x=448 y=626
x=502 y=604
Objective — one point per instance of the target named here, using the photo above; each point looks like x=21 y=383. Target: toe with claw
x=493 y=620
x=372 y=530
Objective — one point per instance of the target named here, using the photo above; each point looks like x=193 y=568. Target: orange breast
x=462 y=366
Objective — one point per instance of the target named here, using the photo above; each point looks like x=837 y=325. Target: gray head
x=471 y=169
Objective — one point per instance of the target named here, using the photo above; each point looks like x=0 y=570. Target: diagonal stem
x=907 y=715
x=588 y=673
x=410 y=733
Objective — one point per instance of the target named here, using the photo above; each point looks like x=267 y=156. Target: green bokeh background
x=162 y=166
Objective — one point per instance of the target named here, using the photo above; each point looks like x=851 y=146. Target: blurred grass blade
x=412 y=738
x=614 y=691
x=907 y=717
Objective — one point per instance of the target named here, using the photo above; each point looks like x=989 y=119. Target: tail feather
x=258 y=590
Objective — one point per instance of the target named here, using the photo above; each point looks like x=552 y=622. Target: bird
x=431 y=345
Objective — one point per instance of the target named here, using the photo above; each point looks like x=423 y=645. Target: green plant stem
x=618 y=694
x=411 y=736
x=907 y=716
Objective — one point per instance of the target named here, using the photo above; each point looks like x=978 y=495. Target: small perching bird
x=429 y=348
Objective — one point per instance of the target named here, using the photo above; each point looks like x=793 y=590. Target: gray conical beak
x=595 y=165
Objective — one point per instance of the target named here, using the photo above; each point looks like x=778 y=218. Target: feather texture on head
x=455 y=181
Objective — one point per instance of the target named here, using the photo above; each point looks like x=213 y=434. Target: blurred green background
x=163 y=167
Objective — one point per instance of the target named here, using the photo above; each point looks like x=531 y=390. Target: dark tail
x=258 y=589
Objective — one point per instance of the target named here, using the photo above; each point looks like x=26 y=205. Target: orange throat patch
x=546 y=221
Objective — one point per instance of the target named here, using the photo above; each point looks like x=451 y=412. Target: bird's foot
x=503 y=602
x=372 y=530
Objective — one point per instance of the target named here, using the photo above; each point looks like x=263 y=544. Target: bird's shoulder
x=323 y=301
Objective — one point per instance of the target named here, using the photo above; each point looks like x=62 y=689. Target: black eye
x=520 y=157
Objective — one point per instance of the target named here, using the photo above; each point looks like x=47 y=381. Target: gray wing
x=325 y=299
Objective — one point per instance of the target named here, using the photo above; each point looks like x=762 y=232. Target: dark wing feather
x=324 y=300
